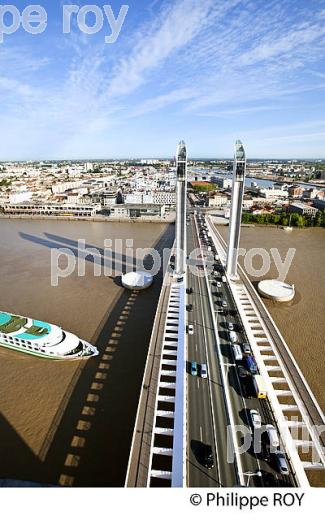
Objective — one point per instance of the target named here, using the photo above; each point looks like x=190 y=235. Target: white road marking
x=201 y=434
x=198 y=383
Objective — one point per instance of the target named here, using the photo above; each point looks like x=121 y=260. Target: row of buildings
x=140 y=188
x=306 y=200
x=115 y=190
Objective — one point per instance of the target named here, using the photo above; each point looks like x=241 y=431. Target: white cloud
x=180 y=24
x=235 y=111
x=156 y=103
x=213 y=59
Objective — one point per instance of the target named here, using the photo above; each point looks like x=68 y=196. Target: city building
x=73 y=210
x=164 y=197
x=108 y=197
x=20 y=196
x=319 y=204
x=248 y=202
x=88 y=167
x=302 y=209
x=137 y=210
x=64 y=186
x=221 y=182
x=218 y=199
x=295 y=191
x=310 y=193
x=273 y=193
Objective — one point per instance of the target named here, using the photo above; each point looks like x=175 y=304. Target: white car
x=230 y=326
x=218 y=284
x=190 y=329
x=256 y=419
x=272 y=435
x=233 y=337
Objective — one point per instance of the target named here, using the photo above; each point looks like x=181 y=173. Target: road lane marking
x=201 y=434
x=198 y=383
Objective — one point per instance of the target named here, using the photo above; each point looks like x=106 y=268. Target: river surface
x=302 y=321
x=71 y=422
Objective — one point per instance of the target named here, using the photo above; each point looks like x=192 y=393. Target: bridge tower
x=181 y=185
x=236 y=209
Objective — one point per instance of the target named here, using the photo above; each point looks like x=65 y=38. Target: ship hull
x=47 y=356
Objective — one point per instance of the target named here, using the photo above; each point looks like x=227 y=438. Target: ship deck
x=27 y=329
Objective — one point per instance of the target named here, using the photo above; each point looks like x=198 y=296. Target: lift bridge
x=159 y=452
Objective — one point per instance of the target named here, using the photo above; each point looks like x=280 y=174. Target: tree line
x=286 y=219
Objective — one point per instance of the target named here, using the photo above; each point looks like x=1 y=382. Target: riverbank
x=98 y=218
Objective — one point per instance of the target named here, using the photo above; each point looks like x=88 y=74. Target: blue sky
x=205 y=71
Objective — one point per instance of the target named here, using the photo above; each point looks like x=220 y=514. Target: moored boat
x=41 y=339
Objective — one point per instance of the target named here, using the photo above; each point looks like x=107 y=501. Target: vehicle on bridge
x=246 y=348
x=242 y=372
x=272 y=436
x=238 y=355
x=251 y=365
x=281 y=462
x=259 y=385
x=194 y=368
x=233 y=337
x=255 y=419
x=208 y=457
x=203 y=371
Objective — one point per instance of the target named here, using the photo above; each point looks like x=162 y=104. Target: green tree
x=284 y=220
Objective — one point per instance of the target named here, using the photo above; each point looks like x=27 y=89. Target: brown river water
x=301 y=321
x=71 y=422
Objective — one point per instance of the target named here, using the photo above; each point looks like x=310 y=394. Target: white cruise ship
x=41 y=339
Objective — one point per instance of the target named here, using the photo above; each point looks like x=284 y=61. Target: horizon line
x=161 y=158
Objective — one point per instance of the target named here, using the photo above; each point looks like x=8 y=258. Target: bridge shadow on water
x=90 y=437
